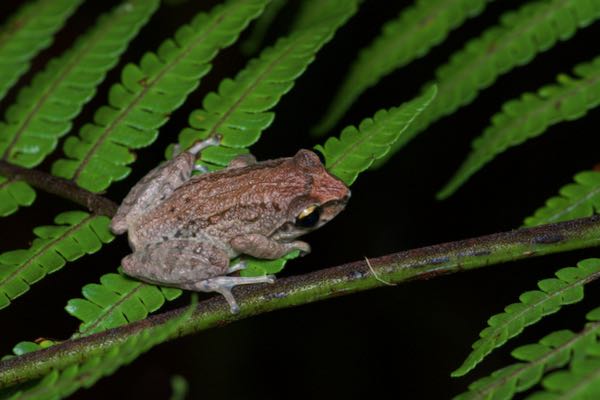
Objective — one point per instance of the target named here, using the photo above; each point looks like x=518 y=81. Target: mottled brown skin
x=183 y=230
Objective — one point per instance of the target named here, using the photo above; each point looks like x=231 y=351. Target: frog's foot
x=200 y=168
x=198 y=146
x=224 y=284
x=237 y=267
x=202 y=144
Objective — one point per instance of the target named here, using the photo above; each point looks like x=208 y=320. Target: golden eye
x=309 y=217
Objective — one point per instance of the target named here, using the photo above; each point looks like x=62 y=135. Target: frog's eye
x=309 y=217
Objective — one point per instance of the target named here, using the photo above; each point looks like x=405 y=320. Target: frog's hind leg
x=224 y=284
x=189 y=265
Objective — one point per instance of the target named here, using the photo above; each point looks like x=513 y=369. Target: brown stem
x=423 y=263
x=61 y=187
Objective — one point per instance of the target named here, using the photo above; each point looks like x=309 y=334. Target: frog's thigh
x=260 y=246
x=180 y=263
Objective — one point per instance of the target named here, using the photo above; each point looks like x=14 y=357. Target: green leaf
x=314 y=12
x=116 y=301
x=27 y=32
x=257 y=35
x=409 y=36
x=530 y=116
x=45 y=109
x=75 y=234
x=239 y=112
x=60 y=384
x=533 y=306
x=148 y=93
x=576 y=200
x=180 y=388
x=14 y=194
x=358 y=148
x=521 y=35
x=580 y=381
x=553 y=351
x=258 y=267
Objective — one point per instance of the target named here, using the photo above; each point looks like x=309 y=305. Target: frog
x=184 y=228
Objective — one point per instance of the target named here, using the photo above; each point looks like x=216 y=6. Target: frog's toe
x=302 y=246
x=224 y=284
x=237 y=267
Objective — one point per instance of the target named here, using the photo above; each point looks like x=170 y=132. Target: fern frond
x=148 y=93
x=60 y=384
x=239 y=112
x=553 y=351
x=402 y=40
x=116 y=301
x=179 y=388
x=44 y=111
x=521 y=35
x=27 y=32
x=533 y=306
x=576 y=200
x=530 y=116
x=257 y=35
x=580 y=382
x=75 y=234
x=14 y=194
x=357 y=149
x=313 y=12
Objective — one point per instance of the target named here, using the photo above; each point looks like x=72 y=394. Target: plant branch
x=423 y=263
x=61 y=187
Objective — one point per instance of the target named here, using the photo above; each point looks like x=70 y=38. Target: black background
x=402 y=340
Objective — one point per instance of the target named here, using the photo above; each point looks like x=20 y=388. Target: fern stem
x=423 y=263
x=61 y=187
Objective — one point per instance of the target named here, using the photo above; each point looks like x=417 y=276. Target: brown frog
x=183 y=228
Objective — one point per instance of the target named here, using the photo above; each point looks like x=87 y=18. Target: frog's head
x=325 y=198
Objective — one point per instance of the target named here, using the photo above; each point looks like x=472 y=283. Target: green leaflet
x=530 y=116
x=533 y=306
x=25 y=347
x=257 y=35
x=26 y=33
x=553 y=351
x=576 y=200
x=258 y=267
x=402 y=40
x=179 y=387
x=148 y=93
x=520 y=36
x=313 y=12
x=239 y=112
x=44 y=110
x=75 y=234
x=60 y=384
x=116 y=301
x=14 y=194
x=358 y=148
x=580 y=381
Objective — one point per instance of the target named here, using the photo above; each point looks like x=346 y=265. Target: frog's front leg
x=157 y=185
x=189 y=265
x=260 y=246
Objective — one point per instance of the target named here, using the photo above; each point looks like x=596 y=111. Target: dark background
x=403 y=340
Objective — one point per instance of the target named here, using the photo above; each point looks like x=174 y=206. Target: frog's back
x=226 y=203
